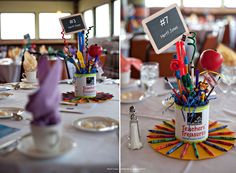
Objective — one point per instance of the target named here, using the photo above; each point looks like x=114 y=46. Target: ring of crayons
x=162 y=139
x=100 y=97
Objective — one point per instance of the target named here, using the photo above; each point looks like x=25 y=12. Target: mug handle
x=57 y=139
x=23 y=75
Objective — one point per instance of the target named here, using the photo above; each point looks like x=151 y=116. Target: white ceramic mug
x=125 y=78
x=30 y=76
x=46 y=138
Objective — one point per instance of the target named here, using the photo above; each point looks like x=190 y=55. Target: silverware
x=71 y=111
x=16 y=86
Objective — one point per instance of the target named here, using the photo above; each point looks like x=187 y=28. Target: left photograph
x=59 y=86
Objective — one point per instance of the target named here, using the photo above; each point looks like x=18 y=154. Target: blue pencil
x=215 y=146
x=217 y=128
x=175 y=148
x=161 y=132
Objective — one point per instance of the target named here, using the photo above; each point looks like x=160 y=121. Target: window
x=16 y=25
x=49 y=25
x=161 y=3
x=88 y=18
x=116 y=19
x=103 y=21
x=229 y=3
x=202 y=3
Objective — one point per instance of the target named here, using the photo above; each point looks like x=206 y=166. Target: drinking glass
x=149 y=75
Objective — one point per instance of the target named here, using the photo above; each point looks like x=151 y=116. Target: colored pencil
x=217 y=128
x=197 y=77
x=212 y=124
x=184 y=150
x=161 y=132
x=175 y=148
x=160 y=136
x=220 y=133
x=164 y=128
x=166 y=145
x=206 y=149
x=221 y=137
x=220 y=142
x=215 y=146
x=161 y=140
x=195 y=150
x=169 y=125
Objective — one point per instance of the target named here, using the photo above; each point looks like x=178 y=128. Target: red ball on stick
x=95 y=50
x=211 y=60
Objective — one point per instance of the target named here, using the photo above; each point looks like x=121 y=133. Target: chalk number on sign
x=164 y=21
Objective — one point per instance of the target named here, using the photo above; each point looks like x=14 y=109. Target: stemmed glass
x=149 y=76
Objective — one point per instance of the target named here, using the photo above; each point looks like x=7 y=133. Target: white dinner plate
x=26 y=146
x=132 y=83
x=7 y=112
x=28 y=86
x=132 y=96
x=96 y=124
x=4 y=95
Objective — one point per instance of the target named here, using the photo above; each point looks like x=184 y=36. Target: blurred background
x=213 y=21
x=34 y=25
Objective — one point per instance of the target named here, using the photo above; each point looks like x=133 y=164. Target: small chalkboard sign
x=73 y=23
x=165 y=28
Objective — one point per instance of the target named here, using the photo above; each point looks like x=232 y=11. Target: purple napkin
x=44 y=103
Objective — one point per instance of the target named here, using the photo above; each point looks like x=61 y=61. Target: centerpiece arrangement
x=190 y=135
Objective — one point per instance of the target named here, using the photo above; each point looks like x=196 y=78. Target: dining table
x=150 y=112
x=94 y=151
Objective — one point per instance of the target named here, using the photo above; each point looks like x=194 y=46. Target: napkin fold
x=30 y=63
x=127 y=62
x=44 y=103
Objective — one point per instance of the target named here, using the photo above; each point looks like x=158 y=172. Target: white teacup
x=125 y=78
x=30 y=76
x=46 y=138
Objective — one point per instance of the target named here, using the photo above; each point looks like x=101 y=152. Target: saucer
x=132 y=83
x=26 y=81
x=28 y=86
x=132 y=96
x=26 y=146
x=7 y=112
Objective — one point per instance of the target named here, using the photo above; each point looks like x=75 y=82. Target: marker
x=186 y=63
x=215 y=146
x=161 y=140
x=164 y=128
x=197 y=77
x=174 y=148
x=222 y=137
x=220 y=133
x=161 y=132
x=195 y=150
x=206 y=149
x=184 y=150
x=160 y=136
x=166 y=145
x=217 y=128
x=213 y=123
x=173 y=89
x=220 y=142
x=169 y=125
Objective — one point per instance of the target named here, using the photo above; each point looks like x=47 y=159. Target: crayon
x=184 y=150
x=212 y=124
x=222 y=137
x=175 y=148
x=220 y=142
x=161 y=132
x=215 y=146
x=217 y=128
x=161 y=140
x=160 y=136
x=169 y=125
x=220 y=133
x=164 y=128
x=166 y=145
x=206 y=149
x=195 y=150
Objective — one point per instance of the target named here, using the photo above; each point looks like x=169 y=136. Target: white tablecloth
x=149 y=113
x=95 y=151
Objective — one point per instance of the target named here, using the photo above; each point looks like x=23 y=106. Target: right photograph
x=178 y=86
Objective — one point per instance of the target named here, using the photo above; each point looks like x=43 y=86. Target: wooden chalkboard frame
x=150 y=18
x=78 y=14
